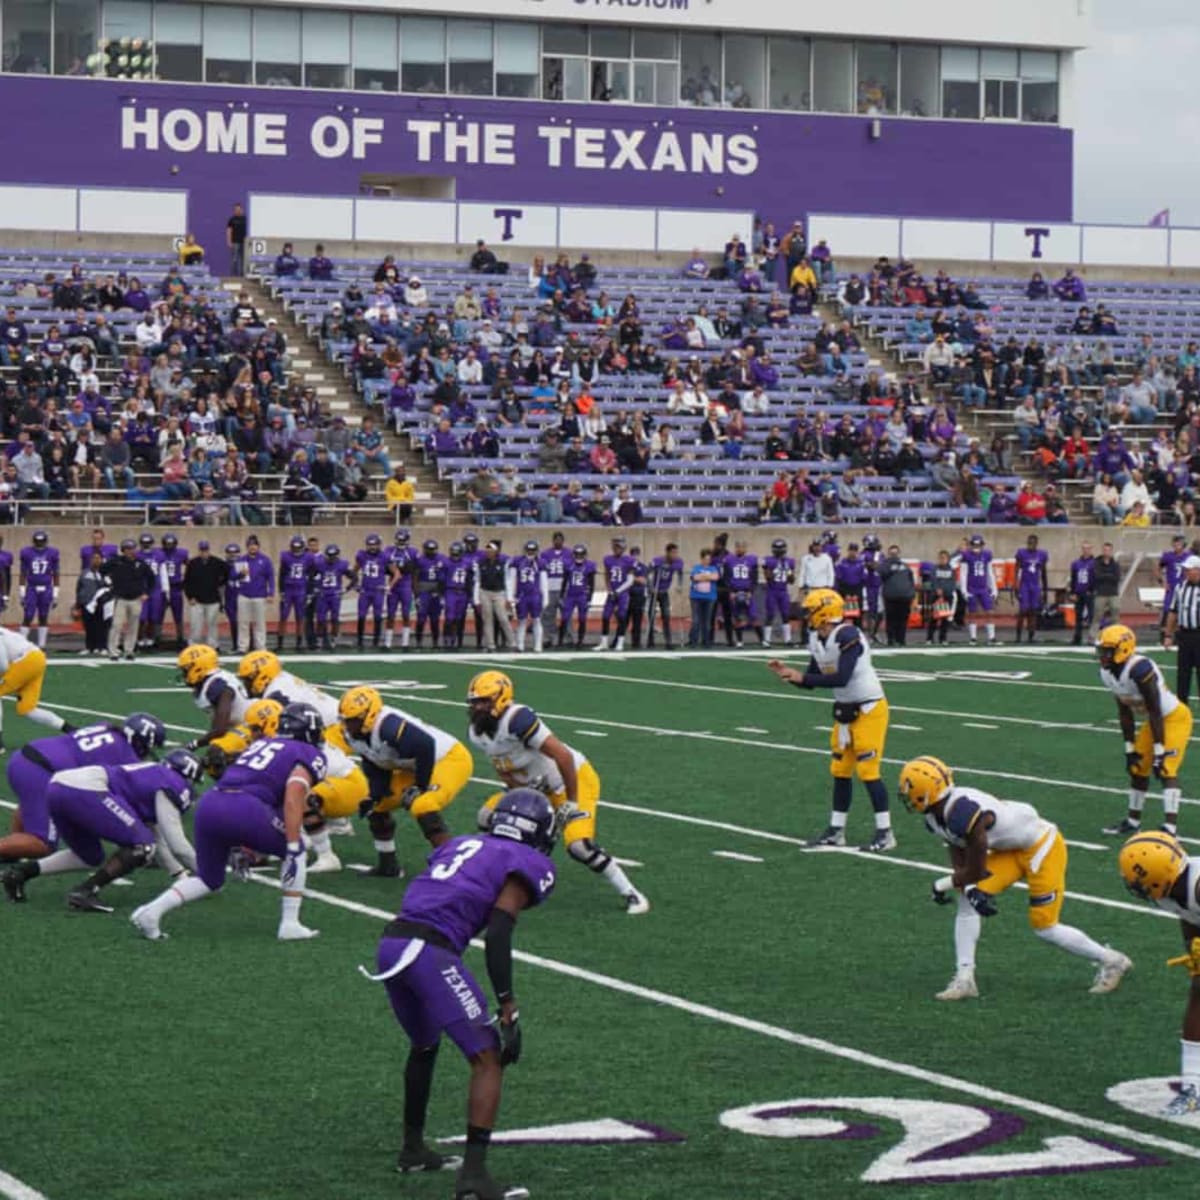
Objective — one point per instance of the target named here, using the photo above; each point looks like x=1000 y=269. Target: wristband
x=293 y=847
x=944 y=884
x=1129 y=747
x=1159 y=749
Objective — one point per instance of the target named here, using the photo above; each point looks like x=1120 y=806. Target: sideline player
x=1160 y=744
x=460 y=588
x=618 y=579
x=1155 y=867
x=993 y=844
x=527 y=589
x=408 y=765
x=139 y=808
x=779 y=577
x=577 y=596
x=217 y=692
x=472 y=884
x=741 y=578
x=978 y=584
x=31 y=767
x=375 y=573
x=259 y=803
x=402 y=563
x=525 y=753
x=1168 y=572
x=841 y=660
x=1032 y=588
x=295 y=566
x=38 y=578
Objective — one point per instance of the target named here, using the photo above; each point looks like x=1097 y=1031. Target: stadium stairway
x=336 y=393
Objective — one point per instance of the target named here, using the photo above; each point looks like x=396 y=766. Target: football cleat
x=293 y=931
x=1123 y=828
x=479 y=1185
x=1185 y=1102
x=961 y=987
x=425 y=1159
x=325 y=864
x=340 y=827
x=834 y=835
x=13 y=882
x=147 y=924
x=1110 y=973
x=883 y=839
x=636 y=904
x=85 y=899
x=386 y=870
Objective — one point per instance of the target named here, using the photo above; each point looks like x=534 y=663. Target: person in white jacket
x=816 y=568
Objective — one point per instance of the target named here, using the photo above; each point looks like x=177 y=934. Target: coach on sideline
x=203 y=578
x=1183 y=626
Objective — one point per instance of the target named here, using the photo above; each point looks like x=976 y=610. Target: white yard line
x=863 y=1058
x=736 y=857
x=14 y=1189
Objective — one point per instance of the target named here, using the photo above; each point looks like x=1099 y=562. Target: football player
x=525 y=753
x=147 y=636
x=528 y=593
x=23 y=674
x=334 y=575
x=375 y=574
x=261 y=720
x=1032 y=588
x=138 y=808
x=460 y=587
x=338 y=796
x=1155 y=867
x=473 y=885
x=170 y=560
x=1156 y=747
x=39 y=579
x=978 y=582
x=841 y=660
x=1168 y=572
x=408 y=765
x=994 y=844
x=295 y=565
x=429 y=571
x=233 y=587
x=217 y=692
x=741 y=578
x=577 y=595
x=872 y=557
x=400 y=594
x=618 y=580
x=30 y=769
x=259 y=803
x=779 y=576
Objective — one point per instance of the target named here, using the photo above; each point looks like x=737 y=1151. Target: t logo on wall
x=508 y=216
x=1037 y=232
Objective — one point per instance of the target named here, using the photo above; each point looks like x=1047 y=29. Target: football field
x=768 y=1030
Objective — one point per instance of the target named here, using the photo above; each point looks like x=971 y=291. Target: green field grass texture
x=225 y=1064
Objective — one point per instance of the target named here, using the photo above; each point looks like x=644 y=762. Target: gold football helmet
x=923 y=782
x=258 y=669
x=1150 y=863
x=823 y=606
x=197 y=663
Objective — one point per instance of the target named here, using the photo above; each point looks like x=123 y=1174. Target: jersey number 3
x=466 y=852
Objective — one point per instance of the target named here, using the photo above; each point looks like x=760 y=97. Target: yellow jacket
x=803 y=273
x=397 y=492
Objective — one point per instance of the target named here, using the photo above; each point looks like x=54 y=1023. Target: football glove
x=240 y=862
x=1159 y=761
x=1191 y=959
x=564 y=814
x=291 y=871
x=942 y=891
x=510 y=1040
x=1132 y=758
x=366 y=807
x=409 y=795
x=981 y=902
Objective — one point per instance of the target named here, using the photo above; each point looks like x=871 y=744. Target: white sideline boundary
x=803 y=1041
x=14 y=1189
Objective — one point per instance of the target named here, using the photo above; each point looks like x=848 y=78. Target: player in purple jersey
x=639 y=571
x=334 y=572
x=39 y=578
x=374 y=570
x=153 y=603
x=850 y=582
x=400 y=595
x=260 y=804
x=577 y=595
x=295 y=565
x=29 y=771
x=666 y=570
x=1169 y=571
x=1081 y=585
x=429 y=573
x=528 y=592
x=6 y=565
x=472 y=554
x=872 y=556
x=172 y=558
x=475 y=884
x=618 y=579
x=978 y=581
x=97 y=545
x=779 y=576
x=555 y=560
x=1032 y=587
x=232 y=586
x=137 y=807
x=460 y=587
x=741 y=577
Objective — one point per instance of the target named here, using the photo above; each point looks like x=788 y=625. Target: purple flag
x=1161 y=219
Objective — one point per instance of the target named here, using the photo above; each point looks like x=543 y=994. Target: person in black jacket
x=898 y=587
x=131 y=581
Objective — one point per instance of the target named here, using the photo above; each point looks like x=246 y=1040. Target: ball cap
x=1192 y=562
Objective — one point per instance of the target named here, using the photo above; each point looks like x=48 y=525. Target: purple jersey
x=1030 y=566
x=256 y=576
x=617 y=567
x=137 y=786
x=1171 y=565
x=741 y=572
x=779 y=570
x=460 y=574
x=977 y=567
x=294 y=571
x=233 y=585
x=171 y=565
x=850 y=575
x=106 y=551
x=430 y=570
x=527 y=575
x=871 y=560
x=332 y=573
x=666 y=570
x=91 y=746
x=372 y=570
x=403 y=558
x=263 y=770
x=39 y=568
x=1083 y=575
x=556 y=564
x=581 y=578
x=457 y=893
x=150 y=558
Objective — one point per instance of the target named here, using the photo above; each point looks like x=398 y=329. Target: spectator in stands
x=1037 y=288
x=1135 y=491
x=322 y=474
x=749 y=280
x=1070 y=288
x=484 y=262
x=821 y=259
x=1106 y=500
x=467 y=306
x=938 y=358
x=235 y=239
x=1031 y=505
x=31 y=475
x=320 y=268
x=626 y=508
x=1027 y=421
x=1139 y=400
x=603 y=459
x=1137 y=517
x=415 y=295
x=1002 y=509
x=287 y=265
x=115 y=460
x=387 y=272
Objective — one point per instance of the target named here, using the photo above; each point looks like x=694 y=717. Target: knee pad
x=313 y=820
x=431 y=825
x=382 y=826
x=141 y=855
x=586 y=851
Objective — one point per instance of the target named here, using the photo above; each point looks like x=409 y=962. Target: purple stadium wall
x=222 y=143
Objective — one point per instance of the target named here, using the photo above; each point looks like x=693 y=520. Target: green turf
x=223 y=1064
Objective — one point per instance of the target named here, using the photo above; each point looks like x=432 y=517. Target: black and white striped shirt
x=1186 y=605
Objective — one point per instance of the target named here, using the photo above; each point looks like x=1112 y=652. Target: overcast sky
x=1138 y=116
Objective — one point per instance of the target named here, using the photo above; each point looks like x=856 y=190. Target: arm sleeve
x=544 y=588
x=409 y=742
x=174 y=849
x=510 y=584
x=498 y=953
x=847 y=661
x=963 y=815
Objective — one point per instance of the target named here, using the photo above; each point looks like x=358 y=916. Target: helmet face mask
x=302 y=723
x=359 y=709
x=196 y=663
x=824 y=607
x=524 y=815
x=296 y=545
x=579 y=554
x=778 y=547
x=258 y=670
x=262 y=717
x=924 y=782
x=1115 y=646
x=401 y=537
x=1150 y=864
x=489 y=696
x=145 y=733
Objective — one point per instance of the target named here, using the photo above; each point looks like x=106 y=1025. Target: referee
x=1183 y=626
